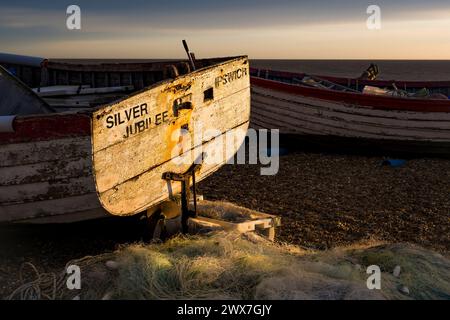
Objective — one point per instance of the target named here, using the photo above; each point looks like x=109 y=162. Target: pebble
x=396 y=271
x=346 y=184
x=112 y=265
x=107 y=296
x=404 y=289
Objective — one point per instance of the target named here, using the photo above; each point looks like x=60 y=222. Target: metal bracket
x=179 y=105
x=185 y=179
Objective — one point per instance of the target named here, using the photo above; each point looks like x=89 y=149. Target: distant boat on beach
x=404 y=117
x=97 y=139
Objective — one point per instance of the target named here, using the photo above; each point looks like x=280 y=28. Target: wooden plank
x=59 y=188
x=338 y=126
x=263 y=122
x=84 y=101
x=60 y=89
x=68 y=104
x=241 y=227
x=66 y=206
x=114 y=78
x=50 y=150
x=70 y=217
x=62 y=168
x=153 y=66
x=74 y=90
x=252 y=220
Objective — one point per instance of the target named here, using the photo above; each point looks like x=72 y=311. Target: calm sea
x=389 y=69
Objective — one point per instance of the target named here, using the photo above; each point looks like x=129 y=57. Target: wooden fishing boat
x=73 y=84
x=124 y=156
x=334 y=112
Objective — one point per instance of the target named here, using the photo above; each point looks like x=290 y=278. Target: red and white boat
x=335 y=112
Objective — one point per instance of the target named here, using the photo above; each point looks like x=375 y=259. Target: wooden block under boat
x=216 y=215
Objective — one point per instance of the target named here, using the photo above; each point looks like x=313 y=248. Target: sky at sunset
x=284 y=29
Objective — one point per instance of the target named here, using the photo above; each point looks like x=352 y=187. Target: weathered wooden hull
x=403 y=125
x=46 y=170
x=71 y=166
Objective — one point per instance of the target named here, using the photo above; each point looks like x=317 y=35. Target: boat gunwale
x=169 y=80
x=355 y=81
x=48 y=127
x=126 y=66
x=356 y=99
x=66 y=124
